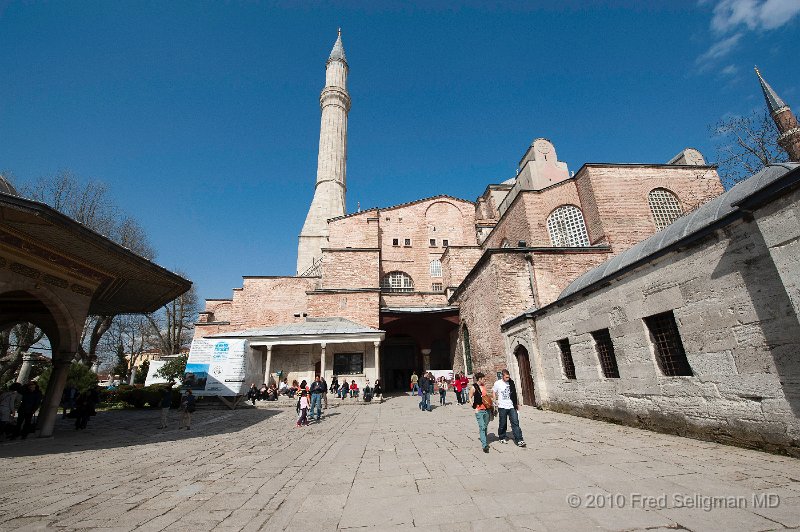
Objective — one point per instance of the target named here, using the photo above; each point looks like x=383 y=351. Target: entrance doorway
x=400 y=358
x=525 y=377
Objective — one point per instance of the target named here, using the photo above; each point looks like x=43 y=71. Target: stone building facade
x=694 y=330
x=429 y=284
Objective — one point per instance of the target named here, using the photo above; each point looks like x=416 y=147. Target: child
x=303 y=419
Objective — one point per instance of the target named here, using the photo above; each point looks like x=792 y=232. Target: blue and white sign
x=217 y=367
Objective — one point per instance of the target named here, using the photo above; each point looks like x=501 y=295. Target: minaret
x=788 y=129
x=329 y=194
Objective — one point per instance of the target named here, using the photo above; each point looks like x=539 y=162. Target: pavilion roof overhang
x=122 y=282
x=311 y=331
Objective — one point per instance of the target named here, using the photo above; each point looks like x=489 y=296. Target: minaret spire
x=785 y=121
x=329 y=193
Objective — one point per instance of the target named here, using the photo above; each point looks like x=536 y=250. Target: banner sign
x=217 y=367
x=446 y=373
x=152 y=378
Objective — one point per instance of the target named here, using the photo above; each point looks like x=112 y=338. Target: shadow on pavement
x=124 y=428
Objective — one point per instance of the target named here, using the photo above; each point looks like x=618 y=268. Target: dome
x=6 y=187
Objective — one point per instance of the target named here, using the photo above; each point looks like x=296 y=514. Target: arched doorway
x=525 y=377
x=400 y=358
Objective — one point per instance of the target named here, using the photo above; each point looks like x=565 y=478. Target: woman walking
x=442 y=391
x=481 y=401
x=303 y=418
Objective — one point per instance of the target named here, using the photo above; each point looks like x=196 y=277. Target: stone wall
x=457 y=262
x=738 y=325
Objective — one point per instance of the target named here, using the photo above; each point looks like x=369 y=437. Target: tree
x=173 y=324
x=174 y=368
x=745 y=145
x=89 y=203
x=141 y=372
x=128 y=337
x=15 y=341
x=79 y=375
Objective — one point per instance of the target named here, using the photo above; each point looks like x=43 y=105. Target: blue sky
x=203 y=117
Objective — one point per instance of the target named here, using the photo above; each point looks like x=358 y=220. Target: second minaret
x=331 y=185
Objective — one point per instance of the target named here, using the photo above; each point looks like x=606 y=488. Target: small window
x=505 y=243
x=670 y=355
x=436 y=287
x=665 y=207
x=605 y=352
x=436 y=268
x=445 y=243
x=397 y=282
x=566 y=359
x=407 y=242
x=433 y=242
x=395 y=241
x=348 y=364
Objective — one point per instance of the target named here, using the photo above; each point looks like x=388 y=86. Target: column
x=426 y=359
x=377 y=359
x=322 y=361
x=52 y=398
x=268 y=365
x=25 y=369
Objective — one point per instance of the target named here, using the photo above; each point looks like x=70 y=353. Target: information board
x=217 y=367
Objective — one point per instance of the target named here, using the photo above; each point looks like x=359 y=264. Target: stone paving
x=385 y=467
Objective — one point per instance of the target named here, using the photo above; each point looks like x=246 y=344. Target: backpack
x=486 y=399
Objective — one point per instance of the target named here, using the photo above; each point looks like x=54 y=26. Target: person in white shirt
x=505 y=397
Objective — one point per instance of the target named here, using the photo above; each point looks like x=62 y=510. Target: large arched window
x=566 y=227
x=436 y=268
x=467 y=349
x=397 y=282
x=665 y=207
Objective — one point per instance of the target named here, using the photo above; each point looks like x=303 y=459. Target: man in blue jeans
x=317 y=390
x=425 y=384
x=505 y=397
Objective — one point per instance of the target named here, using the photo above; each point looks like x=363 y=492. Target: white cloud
x=730 y=70
x=719 y=49
x=755 y=14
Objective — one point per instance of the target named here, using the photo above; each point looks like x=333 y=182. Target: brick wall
x=350 y=268
x=457 y=262
x=354 y=231
x=360 y=307
x=555 y=271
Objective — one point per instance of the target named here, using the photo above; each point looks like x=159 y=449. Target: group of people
x=22 y=402
x=265 y=393
x=501 y=398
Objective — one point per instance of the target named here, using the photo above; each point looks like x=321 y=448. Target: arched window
x=505 y=244
x=436 y=268
x=566 y=227
x=397 y=282
x=467 y=350
x=665 y=207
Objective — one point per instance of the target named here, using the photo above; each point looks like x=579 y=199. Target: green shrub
x=80 y=375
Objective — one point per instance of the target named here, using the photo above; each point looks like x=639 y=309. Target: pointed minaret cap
x=774 y=101
x=337 y=54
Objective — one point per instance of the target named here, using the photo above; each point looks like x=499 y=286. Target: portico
x=324 y=346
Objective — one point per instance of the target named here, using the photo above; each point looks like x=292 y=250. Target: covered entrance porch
x=417 y=340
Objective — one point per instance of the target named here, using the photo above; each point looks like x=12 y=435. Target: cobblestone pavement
x=384 y=467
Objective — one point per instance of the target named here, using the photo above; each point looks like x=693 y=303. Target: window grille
x=445 y=243
x=505 y=244
x=436 y=287
x=433 y=242
x=436 y=268
x=566 y=359
x=397 y=282
x=395 y=241
x=407 y=242
x=348 y=363
x=670 y=355
x=605 y=352
x=467 y=350
x=567 y=228
x=665 y=207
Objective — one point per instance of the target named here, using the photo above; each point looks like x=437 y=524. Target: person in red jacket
x=457 y=388
x=353 y=389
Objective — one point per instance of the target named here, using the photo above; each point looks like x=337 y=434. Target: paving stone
x=386 y=467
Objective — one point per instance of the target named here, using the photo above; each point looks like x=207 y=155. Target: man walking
x=166 y=402
x=414 y=381
x=425 y=384
x=317 y=391
x=505 y=396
